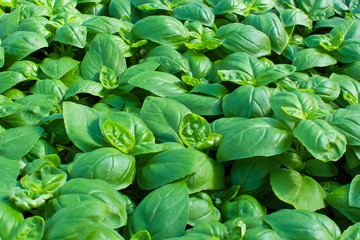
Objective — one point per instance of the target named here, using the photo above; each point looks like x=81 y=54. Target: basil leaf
x=163 y=212
x=164 y=30
x=248 y=138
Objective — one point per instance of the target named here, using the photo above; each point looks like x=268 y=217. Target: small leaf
x=108 y=78
x=118 y=135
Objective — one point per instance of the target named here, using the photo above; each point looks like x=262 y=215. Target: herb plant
x=180 y=119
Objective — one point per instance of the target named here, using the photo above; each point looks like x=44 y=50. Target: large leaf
x=34 y=109
x=270 y=24
x=16 y=142
x=163 y=117
x=107 y=164
x=253 y=137
x=56 y=68
x=301 y=191
x=195 y=11
x=72 y=33
x=9 y=79
x=83 y=128
x=321 y=139
x=21 y=44
x=169 y=166
x=79 y=190
x=163 y=212
x=253 y=174
x=348 y=123
x=160 y=83
x=299 y=225
x=9 y=219
x=103 y=52
x=312 y=57
x=164 y=30
x=9 y=173
x=339 y=199
x=245 y=38
x=248 y=101
x=76 y=221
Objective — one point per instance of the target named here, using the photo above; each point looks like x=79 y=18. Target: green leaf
x=163 y=212
x=108 y=78
x=170 y=60
x=83 y=128
x=103 y=52
x=9 y=22
x=270 y=24
x=195 y=11
x=107 y=164
x=16 y=142
x=315 y=9
x=293 y=16
x=244 y=206
x=20 y=44
x=240 y=37
x=56 y=68
x=103 y=24
x=201 y=208
x=164 y=30
x=209 y=176
x=301 y=191
x=352 y=232
x=147 y=147
x=318 y=168
x=8 y=79
x=72 y=33
x=169 y=166
x=273 y=73
x=195 y=131
x=50 y=87
x=248 y=101
x=31 y=228
x=295 y=105
x=354 y=196
x=327 y=89
x=349 y=87
x=312 y=57
x=141 y=235
x=253 y=137
x=206 y=230
x=199 y=64
x=299 y=224
x=10 y=171
x=78 y=191
x=199 y=104
x=321 y=139
x=163 y=117
x=85 y=86
x=71 y=220
x=253 y=174
x=261 y=233
x=120 y=9
x=339 y=200
x=346 y=121
x=10 y=218
x=160 y=83
x=35 y=108
x=118 y=135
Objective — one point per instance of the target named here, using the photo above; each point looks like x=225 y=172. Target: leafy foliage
x=179 y=119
